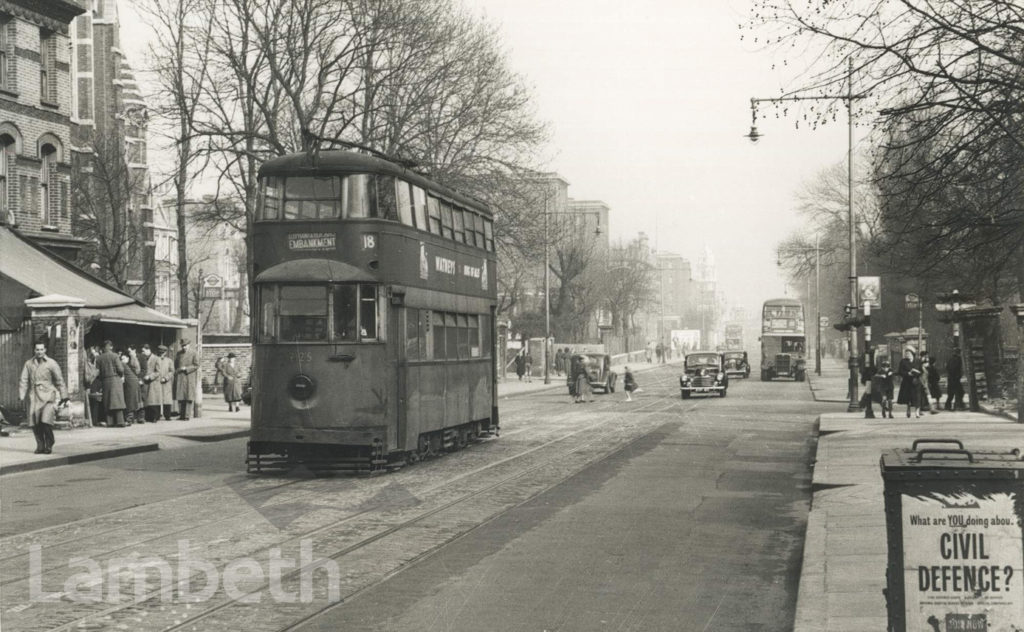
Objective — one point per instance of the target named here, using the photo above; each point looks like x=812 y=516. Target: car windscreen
x=702 y=360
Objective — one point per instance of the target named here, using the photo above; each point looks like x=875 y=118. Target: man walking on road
x=41 y=381
x=186 y=366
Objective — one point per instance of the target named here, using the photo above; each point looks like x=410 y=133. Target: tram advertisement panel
x=416 y=259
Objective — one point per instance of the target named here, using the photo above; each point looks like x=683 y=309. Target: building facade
x=35 y=122
x=113 y=196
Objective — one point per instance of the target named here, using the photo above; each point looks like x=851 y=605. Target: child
x=629 y=383
x=882 y=388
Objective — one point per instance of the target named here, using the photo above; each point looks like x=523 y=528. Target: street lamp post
x=754 y=136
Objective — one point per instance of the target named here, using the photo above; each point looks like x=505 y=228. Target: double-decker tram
x=374 y=323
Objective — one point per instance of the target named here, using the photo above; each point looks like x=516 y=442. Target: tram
x=373 y=331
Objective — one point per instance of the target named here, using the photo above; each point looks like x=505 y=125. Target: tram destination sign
x=311 y=241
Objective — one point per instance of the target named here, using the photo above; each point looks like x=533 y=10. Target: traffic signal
x=852 y=322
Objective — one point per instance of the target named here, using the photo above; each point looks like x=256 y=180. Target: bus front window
x=303 y=314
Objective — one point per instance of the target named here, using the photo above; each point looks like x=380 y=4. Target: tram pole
x=547 y=298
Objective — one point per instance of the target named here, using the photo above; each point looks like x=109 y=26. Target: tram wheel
x=462 y=438
x=423 y=447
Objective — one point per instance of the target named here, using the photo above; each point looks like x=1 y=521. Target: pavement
x=217 y=424
x=845 y=554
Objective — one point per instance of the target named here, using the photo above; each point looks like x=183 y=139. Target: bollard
x=955 y=529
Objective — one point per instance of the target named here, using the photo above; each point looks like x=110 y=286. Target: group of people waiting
x=130 y=386
x=919 y=382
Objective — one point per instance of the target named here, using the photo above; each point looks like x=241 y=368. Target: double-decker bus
x=734 y=337
x=783 y=341
x=373 y=328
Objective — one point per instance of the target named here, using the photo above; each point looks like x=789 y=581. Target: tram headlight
x=301 y=387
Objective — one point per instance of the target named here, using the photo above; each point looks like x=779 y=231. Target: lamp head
x=753 y=135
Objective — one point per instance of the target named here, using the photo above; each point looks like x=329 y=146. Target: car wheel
x=764 y=375
x=686 y=394
x=723 y=392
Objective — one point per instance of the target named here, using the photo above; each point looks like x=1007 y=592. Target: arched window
x=7 y=149
x=48 y=153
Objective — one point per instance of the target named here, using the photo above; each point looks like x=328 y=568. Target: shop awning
x=33 y=267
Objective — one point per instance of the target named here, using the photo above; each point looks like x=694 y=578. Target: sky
x=648 y=102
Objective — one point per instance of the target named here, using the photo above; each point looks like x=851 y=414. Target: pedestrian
x=867 y=373
x=232 y=383
x=520 y=364
x=630 y=385
x=132 y=396
x=159 y=376
x=112 y=377
x=144 y=359
x=931 y=380
x=218 y=376
x=186 y=367
x=94 y=387
x=528 y=366
x=659 y=351
x=42 y=383
x=910 y=385
x=648 y=352
x=882 y=387
x=582 y=377
x=559 y=361
x=954 y=389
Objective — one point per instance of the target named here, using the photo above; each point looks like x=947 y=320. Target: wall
x=212 y=351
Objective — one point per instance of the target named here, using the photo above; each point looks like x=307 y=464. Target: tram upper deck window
x=270 y=198
x=434 y=211
x=458 y=227
x=404 y=202
x=419 y=208
x=312 y=197
x=489 y=234
x=302 y=313
x=446 y=220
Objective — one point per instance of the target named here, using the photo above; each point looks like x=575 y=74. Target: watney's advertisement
x=962 y=563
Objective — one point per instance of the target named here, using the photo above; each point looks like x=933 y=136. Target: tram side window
x=412 y=334
x=458 y=227
x=419 y=208
x=267 y=313
x=485 y=336
x=303 y=313
x=384 y=204
x=446 y=220
x=434 y=210
x=270 y=200
x=368 y=312
x=356 y=200
x=473 y=330
x=345 y=313
x=489 y=234
x=479 y=230
x=312 y=197
x=451 y=337
x=404 y=196
x=463 y=335
x=437 y=325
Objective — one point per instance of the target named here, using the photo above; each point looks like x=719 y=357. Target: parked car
x=736 y=363
x=703 y=372
x=599 y=373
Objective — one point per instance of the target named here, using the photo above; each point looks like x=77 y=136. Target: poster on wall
x=962 y=563
x=869 y=290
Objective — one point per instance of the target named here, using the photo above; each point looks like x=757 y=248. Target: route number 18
x=369 y=242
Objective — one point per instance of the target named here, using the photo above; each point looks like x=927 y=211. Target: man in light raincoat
x=42 y=382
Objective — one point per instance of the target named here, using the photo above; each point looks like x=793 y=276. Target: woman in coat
x=910 y=383
x=160 y=377
x=132 y=394
x=232 y=383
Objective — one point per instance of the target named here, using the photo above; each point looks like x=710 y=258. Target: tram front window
x=345 y=313
x=303 y=313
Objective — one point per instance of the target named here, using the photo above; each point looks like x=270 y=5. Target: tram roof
x=313 y=271
x=783 y=301
x=338 y=161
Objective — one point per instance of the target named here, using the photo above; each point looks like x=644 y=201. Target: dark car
x=599 y=372
x=703 y=372
x=736 y=363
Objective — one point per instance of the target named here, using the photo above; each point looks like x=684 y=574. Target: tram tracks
x=476 y=486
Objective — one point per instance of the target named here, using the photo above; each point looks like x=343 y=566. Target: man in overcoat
x=186 y=373
x=112 y=376
x=41 y=381
x=159 y=377
x=145 y=354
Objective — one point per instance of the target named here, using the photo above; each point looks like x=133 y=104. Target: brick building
x=109 y=124
x=35 y=121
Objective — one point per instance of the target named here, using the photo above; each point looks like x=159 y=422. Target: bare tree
x=102 y=193
x=180 y=50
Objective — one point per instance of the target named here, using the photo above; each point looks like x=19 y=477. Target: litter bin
x=955 y=527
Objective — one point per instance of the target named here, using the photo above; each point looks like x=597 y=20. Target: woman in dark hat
x=910 y=383
x=232 y=383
